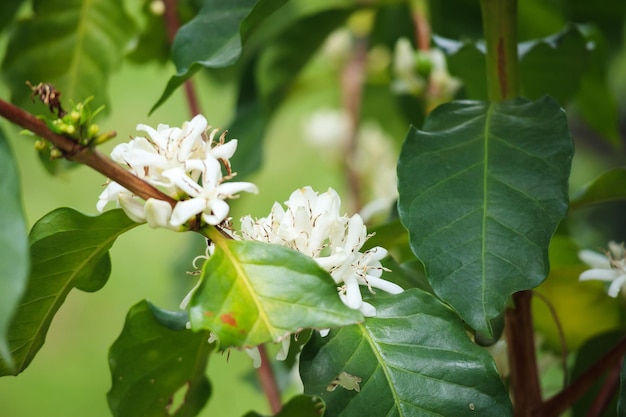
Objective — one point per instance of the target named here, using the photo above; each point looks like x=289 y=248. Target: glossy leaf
x=73 y=44
x=214 y=37
x=414 y=358
x=607 y=187
x=151 y=364
x=14 y=257
x=252 y=293
x=482 y=188
x=554 y=65
x=68 y=250
x=298 y=406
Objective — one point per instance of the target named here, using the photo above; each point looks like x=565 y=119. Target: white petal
x=353 y=294
x=599 y=274
x=110 y=193
x=594 y=259
x=232 y=188
x=367 y=309
x=216 y=212
x=133 y=207
x=616 y=285
x=225 y=151
x=255 y=355
x=158 y=213
x=324 y=332
x=388 y=287
x=186 y=209
x=284 y=349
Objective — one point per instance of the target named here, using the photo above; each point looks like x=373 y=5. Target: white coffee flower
x=185 y=164
x=311 y=224
x=610 y=267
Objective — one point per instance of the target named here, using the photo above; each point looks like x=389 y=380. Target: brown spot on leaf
x=228 y=319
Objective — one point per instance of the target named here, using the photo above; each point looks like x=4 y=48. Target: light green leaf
x=482 y=188
x=157 y=371
x=298 y=406
x=8 y=9
x=73 y=44
x=414 y=359
x=607 y=187
x=252 y=293
x=67 y=250
x=213 y=39
x=14 y=258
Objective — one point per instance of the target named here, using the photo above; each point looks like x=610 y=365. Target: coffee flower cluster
x=184 y=163
x=610 y=267
x=312 y=225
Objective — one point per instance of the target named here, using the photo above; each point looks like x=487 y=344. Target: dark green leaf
x=414 y=358
x=554 y=65
x=595 y=101
x=252 y=293
x=8 y=9
x=281 y=62
x=152 y=43
x=157 y=371
x=482 y=189
x=214 y=37
x=73 y=44
x=298 y=406
x=466 y=60
x=587 y=356
x=67 y=250
x=607 y=187
x=14 y=259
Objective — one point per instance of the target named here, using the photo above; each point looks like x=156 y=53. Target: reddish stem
x=352 y=93
x=268 y=381
x=520 y=338
x=563 y=400
x=608 y=390
x=171 y=25
x=83 y=154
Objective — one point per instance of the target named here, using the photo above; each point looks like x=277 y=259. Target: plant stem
x=563 y=400
x=526 y=390
x=352 y=93
x=419 y=12
x=171 y=25
x=83 y=154
x=268 y=381
x=500 y=29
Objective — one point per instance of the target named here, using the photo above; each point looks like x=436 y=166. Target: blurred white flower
x=610 y=267
x=312 y=225
x=184 y=163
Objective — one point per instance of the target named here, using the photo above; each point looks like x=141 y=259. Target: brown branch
x=82 y=154
x=604 y=397
x=268 y=381
x=520 y=337
x=172 y=25
x=352 y=93
x=563 y=400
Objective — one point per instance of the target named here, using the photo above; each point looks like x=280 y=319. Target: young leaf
x=214 y=38
x=67 y=249
x=413 y=358
x=298 y=406
x=151 y=364
x=14 y=259
x=482 y=188
x=74 y=45
x=252 y=293
x=607 y=187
